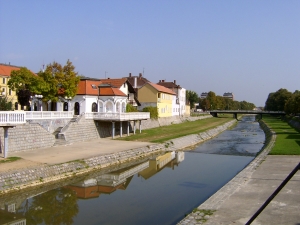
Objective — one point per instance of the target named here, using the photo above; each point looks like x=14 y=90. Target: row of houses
x=108 y=95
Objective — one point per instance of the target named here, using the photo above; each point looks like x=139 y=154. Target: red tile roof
x=5 y=69
x=162 y=88
x=114 y=82
x=85 y=87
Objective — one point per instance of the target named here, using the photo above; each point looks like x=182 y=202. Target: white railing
x=35 y=115
x=118 y=116
x=12 y=117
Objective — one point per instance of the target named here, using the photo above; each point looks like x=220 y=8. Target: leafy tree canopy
x=192 y=97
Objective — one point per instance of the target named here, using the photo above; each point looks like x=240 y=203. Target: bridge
x=214 y=113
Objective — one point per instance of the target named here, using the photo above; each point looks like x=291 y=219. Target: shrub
x=130 y=108
x=153 y=111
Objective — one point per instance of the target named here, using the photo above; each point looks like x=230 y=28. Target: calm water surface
x=159 y=191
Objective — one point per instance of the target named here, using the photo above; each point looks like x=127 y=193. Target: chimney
x=174 y=81
x=162 y=81
x=140 y=75
x=129 y=74
x=135 y=79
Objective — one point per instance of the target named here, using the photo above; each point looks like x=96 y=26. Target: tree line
x=213 y=101
x=283 y=100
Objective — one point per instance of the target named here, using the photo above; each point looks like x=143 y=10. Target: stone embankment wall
x=294 y=124
x=26 y=137
x=15 y=180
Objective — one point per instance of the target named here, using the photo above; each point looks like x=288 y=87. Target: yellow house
x=155 y=95
x=5 y=91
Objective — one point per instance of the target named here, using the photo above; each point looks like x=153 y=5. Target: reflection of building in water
x=8 y=217
x=170 y=159
x=8 y=214
x=107 y=183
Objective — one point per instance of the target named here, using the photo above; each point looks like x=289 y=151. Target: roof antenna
x=143 y=72
x=105 y=74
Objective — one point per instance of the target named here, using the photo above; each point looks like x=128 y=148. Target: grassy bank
x=287 y=138
x=161 y=134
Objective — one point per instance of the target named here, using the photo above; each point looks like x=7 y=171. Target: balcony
x=118 y=116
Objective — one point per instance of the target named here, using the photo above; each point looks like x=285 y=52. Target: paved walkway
x=79 y=150
x=240 y=199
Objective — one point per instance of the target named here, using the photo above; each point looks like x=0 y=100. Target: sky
x=249 y=47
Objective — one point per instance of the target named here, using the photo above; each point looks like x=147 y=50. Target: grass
x=165 y=133
x=10 y=159
x=287 y=138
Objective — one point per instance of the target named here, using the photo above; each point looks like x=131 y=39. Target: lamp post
x=39 y=98
x=68 y=99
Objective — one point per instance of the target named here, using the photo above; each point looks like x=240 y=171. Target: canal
x=160 y=190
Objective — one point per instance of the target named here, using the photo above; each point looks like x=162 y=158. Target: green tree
x=204 y=104
x=276 y=101
x=23 y=81
x=212 y=98
x=65 y=79
x=192 y=97
x=292 y=105
x=5 y=104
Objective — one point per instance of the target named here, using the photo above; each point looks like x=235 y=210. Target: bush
x=5 y=104
x=153 y=111
x=130 y=108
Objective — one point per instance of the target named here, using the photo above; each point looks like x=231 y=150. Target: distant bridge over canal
x=214 y=113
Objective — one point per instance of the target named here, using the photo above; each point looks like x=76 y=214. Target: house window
x=16 y=106
x=3 y=81
x=9 y=91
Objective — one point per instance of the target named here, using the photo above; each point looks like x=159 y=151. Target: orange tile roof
x=85 y=87
x=114 y=82
x=162 y=88
x=5 y=70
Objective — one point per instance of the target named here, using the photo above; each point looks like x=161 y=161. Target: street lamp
x=68 y=99
x=39 y=98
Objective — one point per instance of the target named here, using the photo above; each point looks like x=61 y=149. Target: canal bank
x=58 y=163
x=238 y=200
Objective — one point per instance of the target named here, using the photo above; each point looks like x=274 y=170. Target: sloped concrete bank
x=242 y=178
x=15 y=180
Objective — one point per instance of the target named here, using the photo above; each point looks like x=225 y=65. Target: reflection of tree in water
x=54 y=207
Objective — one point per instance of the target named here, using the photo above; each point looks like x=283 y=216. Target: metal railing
x=12 y=117
x=35 y=115
x=118 y=116
x=274 y=194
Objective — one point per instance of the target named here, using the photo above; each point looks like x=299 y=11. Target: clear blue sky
x=250 y=48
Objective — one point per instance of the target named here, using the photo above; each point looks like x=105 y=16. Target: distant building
x=203 y=95
x=5 y=91
x=228 y=95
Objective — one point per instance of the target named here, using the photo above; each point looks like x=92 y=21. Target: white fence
x=118 y=116
x=35 y=115
x=12 y=117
